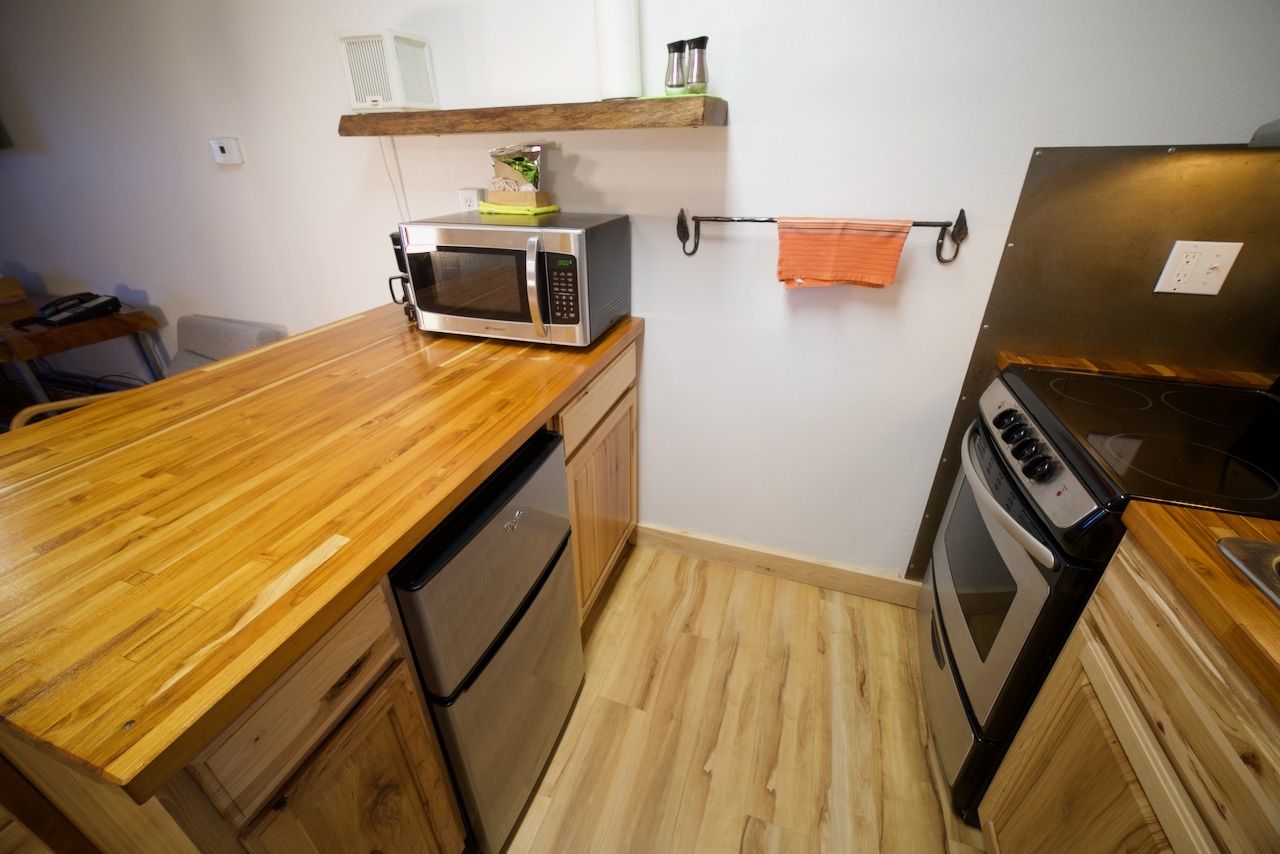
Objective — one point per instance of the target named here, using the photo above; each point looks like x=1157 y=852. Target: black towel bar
x=958 y=230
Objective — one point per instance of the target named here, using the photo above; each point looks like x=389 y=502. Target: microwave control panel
x=562 y=273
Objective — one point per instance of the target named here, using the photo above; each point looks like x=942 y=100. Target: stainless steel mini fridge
x=489 y=604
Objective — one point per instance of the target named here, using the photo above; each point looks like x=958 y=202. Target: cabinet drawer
x=580 y=417
x=1220 y=737
x=257 y=753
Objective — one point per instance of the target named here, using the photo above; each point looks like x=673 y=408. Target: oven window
x=484 y=283
x=984 y=585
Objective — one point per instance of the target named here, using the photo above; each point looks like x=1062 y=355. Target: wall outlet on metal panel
x=1197 y=267
x=469 y=198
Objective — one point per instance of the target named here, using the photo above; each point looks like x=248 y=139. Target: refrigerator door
x=500 y=731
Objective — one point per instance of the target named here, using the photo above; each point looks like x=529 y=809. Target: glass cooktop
x=1184 y=443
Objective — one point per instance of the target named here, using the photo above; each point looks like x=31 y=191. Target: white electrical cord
x=397 y=180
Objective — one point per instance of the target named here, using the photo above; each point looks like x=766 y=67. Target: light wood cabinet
x=602 y=499
x=599 y=429
x=378 y=784
x=1066 y=784
x=337 y=755
x=245 y=766
x=1146 y=735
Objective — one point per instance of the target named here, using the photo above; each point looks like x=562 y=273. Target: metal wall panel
x=1090 y=235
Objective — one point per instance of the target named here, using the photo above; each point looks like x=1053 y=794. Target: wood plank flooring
x=727 y=710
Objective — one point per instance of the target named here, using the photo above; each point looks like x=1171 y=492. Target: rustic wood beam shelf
x=625 y=114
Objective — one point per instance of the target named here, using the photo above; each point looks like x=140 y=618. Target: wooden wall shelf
x=626 y=114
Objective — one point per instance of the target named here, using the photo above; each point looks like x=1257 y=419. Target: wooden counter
x=1184 y=544
x=1145 y=370
x=168 y=552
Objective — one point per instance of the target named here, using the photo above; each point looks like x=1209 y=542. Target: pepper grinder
x=696 y=78
x=675 y=68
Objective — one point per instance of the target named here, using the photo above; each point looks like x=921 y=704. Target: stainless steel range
x=1034 y=516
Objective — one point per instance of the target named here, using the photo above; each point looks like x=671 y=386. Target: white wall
x=805 y=421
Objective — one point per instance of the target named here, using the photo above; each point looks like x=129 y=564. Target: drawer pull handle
x=281 y=803
x=345 y=679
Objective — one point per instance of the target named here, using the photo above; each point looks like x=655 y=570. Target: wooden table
x=167 y=552
x=19 y=347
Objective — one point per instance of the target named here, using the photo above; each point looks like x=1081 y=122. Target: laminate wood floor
x=727 y=710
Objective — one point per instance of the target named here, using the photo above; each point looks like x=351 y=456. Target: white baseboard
x=845 y=579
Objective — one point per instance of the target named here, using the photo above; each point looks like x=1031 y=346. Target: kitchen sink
x=1259 y=561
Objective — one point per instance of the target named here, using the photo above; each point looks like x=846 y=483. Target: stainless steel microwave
x=556 y=279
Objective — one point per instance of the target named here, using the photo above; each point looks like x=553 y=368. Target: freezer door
x=462 y=586
x=500 y=731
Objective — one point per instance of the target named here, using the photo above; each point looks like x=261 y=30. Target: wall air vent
x=387 y=70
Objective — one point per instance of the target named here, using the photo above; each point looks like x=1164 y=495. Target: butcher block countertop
x=1184 y=543
x=167 y=553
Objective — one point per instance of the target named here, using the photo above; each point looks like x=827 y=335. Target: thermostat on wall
x=226 y=150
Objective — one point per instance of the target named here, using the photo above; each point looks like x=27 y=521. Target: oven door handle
x=531 y=285
x=991 y=508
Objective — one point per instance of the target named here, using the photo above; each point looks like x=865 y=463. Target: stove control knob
x=1016 y=433
x=1006 y=418
x=1026 y=449
x=1039 y=468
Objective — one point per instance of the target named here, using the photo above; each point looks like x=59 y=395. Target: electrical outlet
x=1197 y=267
x=469 y=198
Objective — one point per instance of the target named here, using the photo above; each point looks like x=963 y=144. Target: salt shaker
x=675 y=68
x=696 y=78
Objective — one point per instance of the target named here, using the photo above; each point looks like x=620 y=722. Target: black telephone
x=80 y=306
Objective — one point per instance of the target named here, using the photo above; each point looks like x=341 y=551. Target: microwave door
x=480 y=283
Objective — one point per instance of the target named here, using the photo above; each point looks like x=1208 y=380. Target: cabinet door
x=602 y=498
x=377 y=784
x=1065 y=783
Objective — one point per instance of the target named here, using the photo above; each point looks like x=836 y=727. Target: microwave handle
x=531 y=284
x=991 y=508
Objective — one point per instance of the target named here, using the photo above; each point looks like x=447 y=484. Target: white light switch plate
x=226 y=150
x=1197 y=267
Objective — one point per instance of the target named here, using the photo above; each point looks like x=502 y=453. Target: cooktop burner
x=1103 y=395
x=1182 y=443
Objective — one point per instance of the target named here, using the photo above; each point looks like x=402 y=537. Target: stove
x=1034 y=517
x=1205 y=446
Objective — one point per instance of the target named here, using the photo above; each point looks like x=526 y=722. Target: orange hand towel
x=817 y=253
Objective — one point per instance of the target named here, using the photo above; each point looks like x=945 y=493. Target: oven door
x=489 y=282
x=990 y=589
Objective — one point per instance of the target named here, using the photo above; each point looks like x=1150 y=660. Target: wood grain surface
x=33 y=342
x=625 y=113
x=729 y=710
x=845 y=579
x=167 y=553
x=1216 y=736
x=1186 y=373
x=38 y=818
x=1183 y=543
x=1066 y=784
x=379 y=784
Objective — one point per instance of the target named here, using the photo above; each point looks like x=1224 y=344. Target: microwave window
x=985 y=587
x=484 y=283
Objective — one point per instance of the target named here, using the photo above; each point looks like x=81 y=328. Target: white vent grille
x=413 y=71
x=368 y=64
x=387 y=70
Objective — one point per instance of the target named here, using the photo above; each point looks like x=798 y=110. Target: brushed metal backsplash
x=1090 y=235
